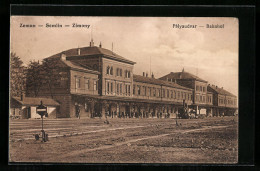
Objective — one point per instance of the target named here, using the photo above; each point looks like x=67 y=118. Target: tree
x=52 y=74
x=34 y=77
x=17 y=75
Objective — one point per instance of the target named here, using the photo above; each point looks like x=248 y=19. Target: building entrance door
x=97 y=110
x=29 y=112
x=127 y=111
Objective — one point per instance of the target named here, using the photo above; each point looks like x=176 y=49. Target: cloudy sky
x=211 y=54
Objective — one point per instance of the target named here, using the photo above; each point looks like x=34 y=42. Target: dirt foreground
x=210 y=140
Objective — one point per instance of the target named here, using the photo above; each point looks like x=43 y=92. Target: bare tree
x=17 y=75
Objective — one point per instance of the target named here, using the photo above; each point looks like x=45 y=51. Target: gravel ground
x=210 y=140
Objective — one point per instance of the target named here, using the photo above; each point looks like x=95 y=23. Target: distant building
x=224 y=102
x=98 y=81
x=207 y=99
x=25 y=107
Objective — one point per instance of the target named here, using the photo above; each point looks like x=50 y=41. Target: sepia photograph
x=99 y=89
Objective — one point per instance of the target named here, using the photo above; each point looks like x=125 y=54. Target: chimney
x=216 y=86
x=152 y=75
x=91 y=44
x=222 y=87
x=63 y=56
x=78 y=51
x=100 y=45
x=146 y=74
x=183 y=70
x=143 y=74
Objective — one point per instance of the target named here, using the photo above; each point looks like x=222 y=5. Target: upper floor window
x=154 y=92
x=95 y=85
x=86 y=84
x=111 y=87
x=150 y=91
x=129 y=88
x=117 y=72
x=163 y=93
x=204 y=89
x=134 y=89
x=127 y=74
x=168 y=94
x=200 y=88
x=159 y=93
x=77 y=82
x=109 y=70
x=197 y=88
x=117 y=88
x=108 y=87
x=138 y=90
x=144 y=88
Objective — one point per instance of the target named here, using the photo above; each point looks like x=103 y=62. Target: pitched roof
x=181 y=75
x=215 y=89
x=75 y=65
x=93 y=50
x=139 y=78
x=35 y=101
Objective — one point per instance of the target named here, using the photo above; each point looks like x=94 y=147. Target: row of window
x=119 y=89
x=165 y=93
x=201 y=88
x=119 y=72
x=86 y=83
x=209 y=99
x=200 y=98
x=224 y=101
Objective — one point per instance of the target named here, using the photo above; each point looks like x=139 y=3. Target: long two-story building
x=96 y=81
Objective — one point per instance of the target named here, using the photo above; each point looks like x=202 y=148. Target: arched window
x=108 y=70
x=111 y=70
x=117 y=72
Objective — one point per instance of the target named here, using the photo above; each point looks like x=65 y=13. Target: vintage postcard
x=123 y=89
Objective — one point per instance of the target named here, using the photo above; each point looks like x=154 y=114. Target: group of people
x=143 y=114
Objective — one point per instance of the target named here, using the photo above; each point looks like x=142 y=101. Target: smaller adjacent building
x=25 y=107
x=207 y=99
x=225 y=101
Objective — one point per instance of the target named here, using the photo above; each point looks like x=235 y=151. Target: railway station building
x=98 y=83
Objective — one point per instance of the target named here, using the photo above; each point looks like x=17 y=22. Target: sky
x=152 y=42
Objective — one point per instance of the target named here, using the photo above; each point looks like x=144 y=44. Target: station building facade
x=97 y=81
